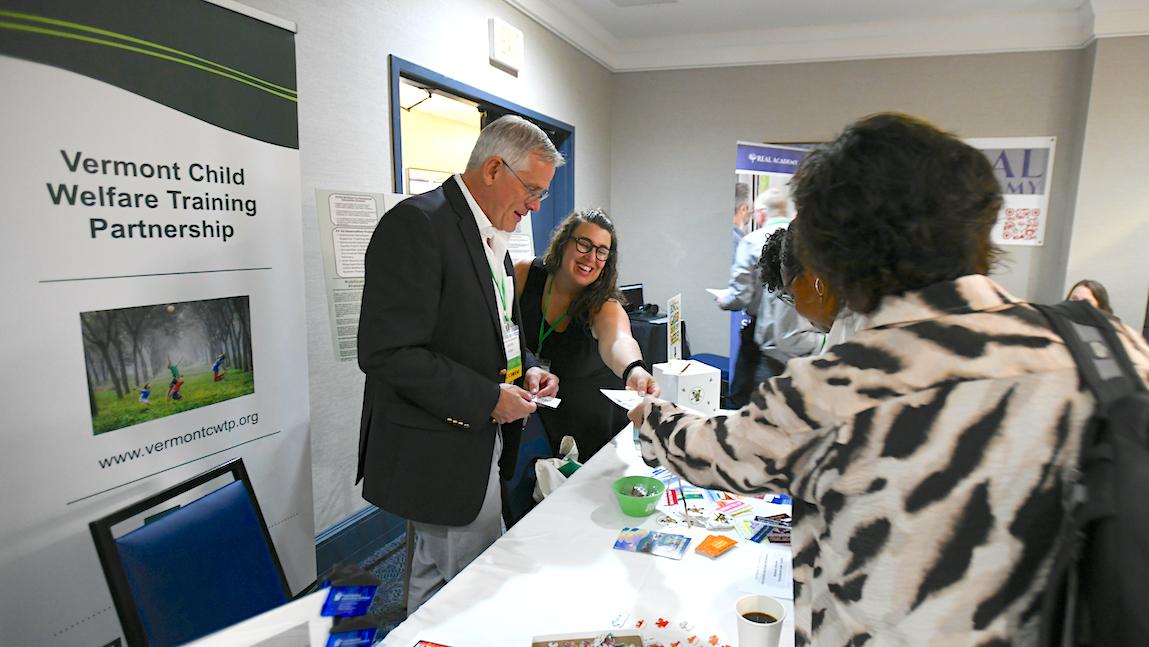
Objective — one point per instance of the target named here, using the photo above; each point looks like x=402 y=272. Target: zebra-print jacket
x=924 y=457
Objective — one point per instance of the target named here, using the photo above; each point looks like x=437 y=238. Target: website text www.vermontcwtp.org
x=175 y=441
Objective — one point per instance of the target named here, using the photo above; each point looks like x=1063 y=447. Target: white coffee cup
x=759 y=634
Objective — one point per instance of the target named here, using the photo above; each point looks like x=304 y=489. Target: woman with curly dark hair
x=784 y=278
x=574 y=323
x=925 y=456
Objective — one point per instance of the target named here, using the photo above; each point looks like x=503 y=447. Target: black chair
x=193 y=569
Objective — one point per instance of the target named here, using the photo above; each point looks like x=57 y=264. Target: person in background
x=146 y=394
x=781 y=270
x=1093 y=292
x=742 y=208
x=217 y=370
x=574 y=323
x=174 y=389
x=925 y=457
x=774 y=332
x=439 y=342
x=174 y=368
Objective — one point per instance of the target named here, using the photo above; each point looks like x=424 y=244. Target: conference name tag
x=511 y=350
x=348 y=600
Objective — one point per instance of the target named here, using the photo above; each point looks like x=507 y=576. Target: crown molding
x=1033 y=31
x=575 y=27
x=1113 y=18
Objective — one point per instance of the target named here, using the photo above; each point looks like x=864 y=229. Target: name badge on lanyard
x=510 y=331
x=511 y=350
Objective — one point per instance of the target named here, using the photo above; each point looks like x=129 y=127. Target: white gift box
x=690 y=384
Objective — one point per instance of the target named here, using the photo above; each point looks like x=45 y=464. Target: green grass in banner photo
x=198 y=390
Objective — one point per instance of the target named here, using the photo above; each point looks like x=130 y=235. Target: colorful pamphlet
x=686 y=491
x=733 y=507
x=662 y=544
x=774 y=529
x=715 y=545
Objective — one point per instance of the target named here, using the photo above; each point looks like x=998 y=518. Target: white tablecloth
x=557 y=572
x=294 y=624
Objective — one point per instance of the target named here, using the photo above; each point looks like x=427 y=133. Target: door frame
x=561 y=200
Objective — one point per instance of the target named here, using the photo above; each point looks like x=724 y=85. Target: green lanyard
x=504 y=312
x=542 y=320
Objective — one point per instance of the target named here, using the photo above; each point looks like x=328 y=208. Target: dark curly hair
x=778 y=259
x=605 y=287
x=894 y=204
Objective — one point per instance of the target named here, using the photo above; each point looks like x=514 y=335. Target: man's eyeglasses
x=584 y=245
x=535 y=193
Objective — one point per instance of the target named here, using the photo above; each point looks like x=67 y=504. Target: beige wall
x=657 y=149
x=436 y=143
x=344 y=132
x=673 y=147
x=1111 y=226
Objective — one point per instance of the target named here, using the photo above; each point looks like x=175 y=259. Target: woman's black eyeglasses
x=584 y=245
x=785 y=295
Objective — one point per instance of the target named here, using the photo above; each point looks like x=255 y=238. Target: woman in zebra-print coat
x=925 y=455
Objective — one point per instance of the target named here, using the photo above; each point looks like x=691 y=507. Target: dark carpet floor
x=388 y=564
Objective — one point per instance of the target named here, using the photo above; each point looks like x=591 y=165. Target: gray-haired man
x=448 y=381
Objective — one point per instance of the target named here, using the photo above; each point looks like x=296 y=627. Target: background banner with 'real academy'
x=151 y=258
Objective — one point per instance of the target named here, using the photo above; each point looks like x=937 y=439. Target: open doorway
x=434 y=123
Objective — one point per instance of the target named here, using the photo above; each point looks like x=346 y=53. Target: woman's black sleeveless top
x=585 y=414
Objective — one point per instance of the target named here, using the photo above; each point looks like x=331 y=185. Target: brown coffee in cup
x=760 y=618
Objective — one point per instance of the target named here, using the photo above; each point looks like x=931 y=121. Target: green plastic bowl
x=638 y=506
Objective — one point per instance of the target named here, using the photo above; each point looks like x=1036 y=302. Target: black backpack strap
x=1101 y=359
x=1107 y=371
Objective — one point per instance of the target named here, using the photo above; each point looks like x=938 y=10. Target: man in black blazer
x=446 y=392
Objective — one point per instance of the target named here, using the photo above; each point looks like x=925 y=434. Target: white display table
x=556 y=572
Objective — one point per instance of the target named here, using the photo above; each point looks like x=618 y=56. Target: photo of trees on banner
x=149 y=362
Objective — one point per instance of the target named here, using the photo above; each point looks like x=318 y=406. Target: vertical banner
x=153 y=286
x=757 y=168
x=1024 y=167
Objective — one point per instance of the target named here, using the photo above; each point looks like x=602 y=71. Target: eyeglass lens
x=584 y=245
x=535 y=194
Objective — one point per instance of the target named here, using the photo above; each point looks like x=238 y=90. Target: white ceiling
x=628 y=35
